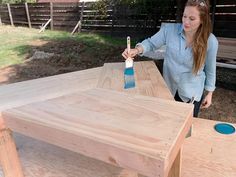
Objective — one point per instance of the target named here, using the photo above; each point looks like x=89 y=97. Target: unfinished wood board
x=8 y=155
x=175 y=170
x=22 y=93
x=208 y=153
x=135 y=132
x=148 y=79
x=40 y=159
x=227 y=48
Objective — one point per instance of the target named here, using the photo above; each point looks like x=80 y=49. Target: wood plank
x=10 y=14
x=148 y=79
x=38 y=158
x=177 y=166
x=8 y=155
x=26 y=92
x=225 y=2
x=117 y=128
x=230 y=41
x=227 y=48
x=208 y=153
x=51 y=15
x=44 y=26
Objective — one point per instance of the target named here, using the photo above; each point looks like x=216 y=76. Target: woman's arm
x=207 y=100
x=149 y=44
x=210 y=70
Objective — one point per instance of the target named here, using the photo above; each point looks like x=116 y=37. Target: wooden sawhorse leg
x=8 y=154
x=175 y=170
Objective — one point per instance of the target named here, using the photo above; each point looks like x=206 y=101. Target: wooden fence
x=120 y=20
x=225 y=18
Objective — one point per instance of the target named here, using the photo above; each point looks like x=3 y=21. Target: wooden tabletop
x=148 y=79
x=204 y=154
x=21 y=93
x=126 y=128
x=143 y=126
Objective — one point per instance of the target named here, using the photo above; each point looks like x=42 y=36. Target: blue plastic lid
x=224 y=128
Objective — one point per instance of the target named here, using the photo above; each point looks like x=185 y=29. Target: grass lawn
x=15 y=44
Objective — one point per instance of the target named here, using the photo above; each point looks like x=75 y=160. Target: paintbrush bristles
x=129 y=70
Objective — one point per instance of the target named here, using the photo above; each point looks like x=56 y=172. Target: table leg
x=8 y=154
x=128 y=173
x=175 y=170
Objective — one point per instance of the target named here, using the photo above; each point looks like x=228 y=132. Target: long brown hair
x=199 y=45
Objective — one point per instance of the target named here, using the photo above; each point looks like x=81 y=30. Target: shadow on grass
x=68 y=55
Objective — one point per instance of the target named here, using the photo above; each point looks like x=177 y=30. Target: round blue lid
x=224 y=128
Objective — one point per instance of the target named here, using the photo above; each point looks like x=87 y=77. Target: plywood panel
x=128 y=131
x=208 y=153
x=40 y=159
x=21 y=93
x=8 y=155
x=148 y=79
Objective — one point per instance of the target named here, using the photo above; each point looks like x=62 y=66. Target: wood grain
x=129 y=131
x=18 y=94
x=40 y=159
x=175 y=170
x=8 y=155
x=227 y=48
x=148 y=79
x=125 y=129
x=208 y=153
x=203 y=154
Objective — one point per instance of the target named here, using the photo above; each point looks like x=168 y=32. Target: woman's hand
x=207 y=100
x=133 y=52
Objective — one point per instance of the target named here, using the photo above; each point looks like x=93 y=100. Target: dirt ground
x=70 y=56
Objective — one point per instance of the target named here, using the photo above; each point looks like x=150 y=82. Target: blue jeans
x=197 y=104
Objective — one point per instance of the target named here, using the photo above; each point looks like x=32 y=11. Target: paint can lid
x=224 y=128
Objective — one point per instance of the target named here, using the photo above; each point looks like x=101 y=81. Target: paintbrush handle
x=128 y=44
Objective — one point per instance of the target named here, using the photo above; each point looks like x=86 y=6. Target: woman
x=190 y=59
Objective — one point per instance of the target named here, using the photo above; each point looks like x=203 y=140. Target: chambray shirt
x=178 y=62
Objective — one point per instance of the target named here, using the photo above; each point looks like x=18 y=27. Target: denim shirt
x=178 y=62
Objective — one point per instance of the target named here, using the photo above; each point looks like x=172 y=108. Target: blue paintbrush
x=129 y=81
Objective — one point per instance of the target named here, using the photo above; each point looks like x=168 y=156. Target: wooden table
x=127 y=128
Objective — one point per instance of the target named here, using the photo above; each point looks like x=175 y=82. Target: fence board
x=117 y=19
x=226 y=17
x=229 y=25
x=225 y=2
x=226 y=9
x=66 y=5
x=225 y=32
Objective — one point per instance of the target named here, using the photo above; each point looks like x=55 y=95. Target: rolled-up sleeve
x=154 y=42
x=210 y=65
